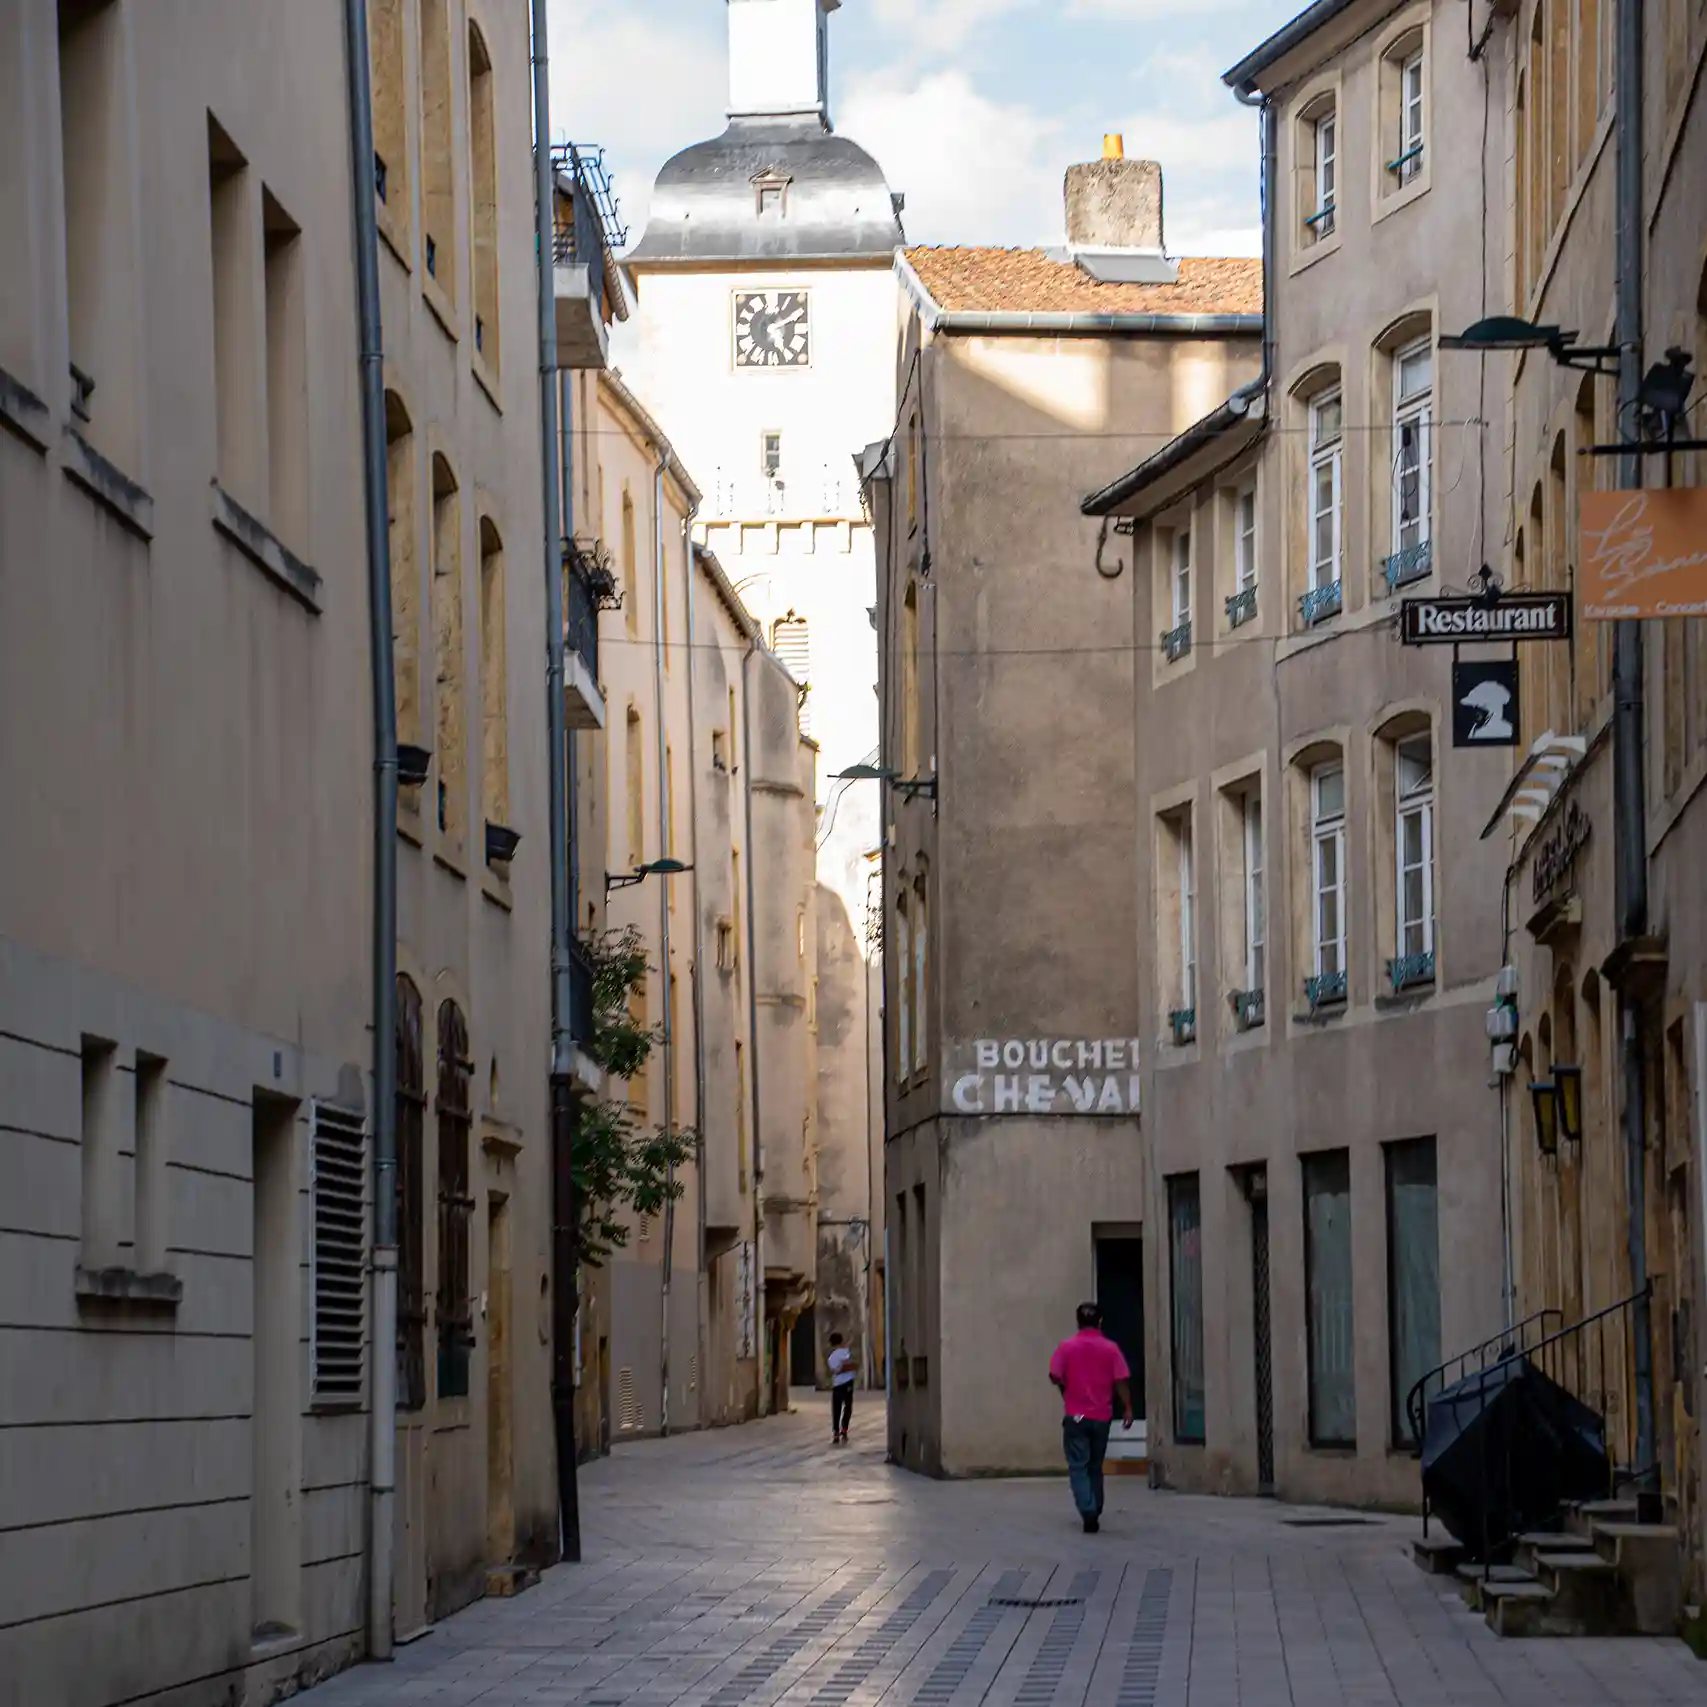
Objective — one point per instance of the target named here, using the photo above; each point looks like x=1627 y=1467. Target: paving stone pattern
x=763 y=1567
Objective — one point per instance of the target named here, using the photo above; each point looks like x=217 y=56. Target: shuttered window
x=793 y=645
x=455 y=1118
x=411 y=1205
x=340 y=1225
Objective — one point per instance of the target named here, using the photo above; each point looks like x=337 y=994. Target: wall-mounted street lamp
x=656 y=868
x=1508 y=332
x=907 y=787
x=1569 y=1083
x=1544 y=1096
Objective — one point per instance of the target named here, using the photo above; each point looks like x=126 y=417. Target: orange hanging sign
x=1644 y=554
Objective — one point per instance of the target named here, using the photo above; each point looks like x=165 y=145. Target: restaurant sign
x=1466 y=620
x=1643 y=554
x=1044 y=1075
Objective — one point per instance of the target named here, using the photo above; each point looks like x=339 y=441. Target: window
x=1319 y=149
x=390 y=129
x=339 y=1255
x=98 y=163
x=494 y=679
x=1187 y=919
x=913 y=471
x=740 y=1115
x=725 y=945
x=234 y=330
x=770 y=199
x=438 y=177
x=921 y=967
x=287 y=374
x=1326 y=438
x=455 y=1118
x=904 y=986
x=630 y=565
x=405 y=582
x=1182 y=576
x=770 y=455
x=483 y=196
x=1413 y=1275
x=800 y=935
x=153 y=1091
x=1413 y=778
x=910 y=736
x=1402 y=114
x=1328 y=1300
x=451 y=754
x=1176 y=923
x=411 y=1210
x=102 y=1142
x=1410 y=117
x=1245 y=538
x=634 y=759
x=1327 y=870
x=1185 y=1272
x=1413 y=451
x=792 y=643
x=1250 y=826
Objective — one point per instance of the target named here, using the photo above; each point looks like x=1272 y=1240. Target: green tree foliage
x=618 y=1164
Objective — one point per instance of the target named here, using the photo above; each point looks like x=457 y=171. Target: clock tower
x=767 y=351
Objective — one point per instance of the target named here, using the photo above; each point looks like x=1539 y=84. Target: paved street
x=762 y=1566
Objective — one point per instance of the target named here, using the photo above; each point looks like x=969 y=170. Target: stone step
x=1524 y=1608
x=1548 y=1541
x=1582 y=1517
x=1475 y=1580
x=1649 y=1563
x=1438 y=1554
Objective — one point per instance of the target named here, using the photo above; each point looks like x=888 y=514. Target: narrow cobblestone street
x=761 y=1567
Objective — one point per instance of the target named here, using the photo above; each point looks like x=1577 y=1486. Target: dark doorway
x=1256 y=1194
x=1120 y=1291
x=803 y=1350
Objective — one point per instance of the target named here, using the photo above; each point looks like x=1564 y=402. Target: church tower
x=767 y=329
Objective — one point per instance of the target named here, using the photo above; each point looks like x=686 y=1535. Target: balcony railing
x=580 y=993
x=1407 y=971
x=1176 y=641
x=1320 y=603
x=1414 y=563
x=580 y=608
x=1241 y=606
x=1324 y=990
x=1182 y=1022
x=1248 y=1008
x=820 y=493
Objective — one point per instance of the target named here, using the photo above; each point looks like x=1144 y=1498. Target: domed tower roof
x=778 y=184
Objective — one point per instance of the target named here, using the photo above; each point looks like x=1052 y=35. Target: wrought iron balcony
x=580 y=993
x=1176 y=642
x=1324 y=990
x=1414 y=563
x=1320 y=603
x=1248 y=1008
x=1241 y=606
x=1408 y=970
x=588 y=584
x=1182 y=1022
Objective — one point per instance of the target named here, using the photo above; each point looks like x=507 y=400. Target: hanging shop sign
x=1484 y=703
x=1467 y=620
x=1556 y=858
x=1043 y=1075
x=1643 y=554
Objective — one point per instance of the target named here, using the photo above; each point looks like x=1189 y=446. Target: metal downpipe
x=665 y=851
x=753 y=1035
x=382 y=1400
x=1631 y=866
x=702 y=1302
x=564 y=1255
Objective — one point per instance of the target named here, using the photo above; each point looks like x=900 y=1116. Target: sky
x=974 y=108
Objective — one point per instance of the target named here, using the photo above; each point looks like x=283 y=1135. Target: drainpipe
x=1631 y=864
x=1269 y=124
x=665 y=852
x=753 y=1036
x=566 y=415
x=564 y=1254
x=702 y=1301
x=382 y=1417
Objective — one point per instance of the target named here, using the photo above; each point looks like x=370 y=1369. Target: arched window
x=630 y=567
x=1318 y=789
x=1403 y=507
x=792 y=643
x=1321 y=408
x=454 y=1111
x=389 y=71
x=1405 y=878
x=405 y=568
x=451 y=753
x=483 y=195
x=634 y=758
x=411 y=1222
x=438 y=176
x=494 y=679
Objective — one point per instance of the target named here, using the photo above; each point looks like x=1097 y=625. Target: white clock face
x=772 y=329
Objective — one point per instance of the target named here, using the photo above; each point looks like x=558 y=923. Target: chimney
x=1114 y=203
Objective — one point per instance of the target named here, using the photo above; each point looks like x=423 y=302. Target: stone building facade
x=1012 y=1050
x=184 y=969
x=1322 y=927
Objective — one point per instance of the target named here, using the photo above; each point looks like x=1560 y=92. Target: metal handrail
x=1510 y=1343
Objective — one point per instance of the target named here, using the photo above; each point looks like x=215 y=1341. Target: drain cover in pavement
x=1328 y=1522
x=867 y=1499
x=1076 y=1600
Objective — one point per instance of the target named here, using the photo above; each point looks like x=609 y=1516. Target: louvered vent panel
x=340 y=1228
x=627 y=1408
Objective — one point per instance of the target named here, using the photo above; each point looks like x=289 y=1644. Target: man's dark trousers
x=841 y=1407
x=1085 y=1440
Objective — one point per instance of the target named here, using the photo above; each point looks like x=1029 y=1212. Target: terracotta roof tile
x=1029 y=281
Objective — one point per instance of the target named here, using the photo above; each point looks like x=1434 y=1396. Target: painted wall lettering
x=1043 y=1075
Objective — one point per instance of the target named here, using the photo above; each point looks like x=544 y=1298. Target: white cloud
x=973 y=169
x=942 y=26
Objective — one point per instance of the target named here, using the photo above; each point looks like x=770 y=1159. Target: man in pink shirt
x=1091 y=1374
